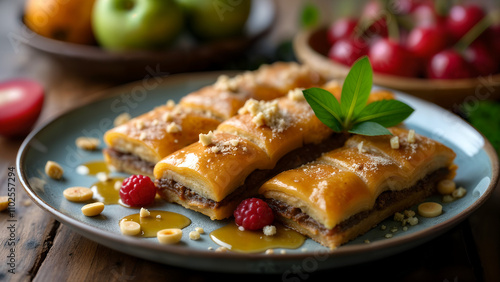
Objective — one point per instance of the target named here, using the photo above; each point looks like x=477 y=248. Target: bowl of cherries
x=442 y=52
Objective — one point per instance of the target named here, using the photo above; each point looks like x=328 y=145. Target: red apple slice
x=21 y=102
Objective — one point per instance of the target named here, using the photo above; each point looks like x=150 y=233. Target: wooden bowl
x=185 y=55
x=311 y=48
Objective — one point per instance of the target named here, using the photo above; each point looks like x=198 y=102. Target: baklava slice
x=349 y=190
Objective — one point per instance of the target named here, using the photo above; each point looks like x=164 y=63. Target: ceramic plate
x=477 y=161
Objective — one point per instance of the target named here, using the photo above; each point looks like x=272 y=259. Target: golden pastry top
x=269 y=82
x=275 y=127
x=166 y=129
x=213 y=170
x=160 y=132
x=350 y=179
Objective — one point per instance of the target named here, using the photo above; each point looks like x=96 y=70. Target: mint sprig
x=353 y=114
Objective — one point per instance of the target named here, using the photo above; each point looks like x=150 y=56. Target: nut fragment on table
x=87 y=143
x=53 y=170
x=169 y=236
x=4 y=203
x=78 y=194
x=93 y=209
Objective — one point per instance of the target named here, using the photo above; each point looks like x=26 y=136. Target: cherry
x=425 y=41
x=462 y=18
x=425 y=14
x=405 y=7
x=389 y=57
x=448 y=64
x=481 y=59
x=21 y=102
x=494 y=38
x=347 y=50
x=374 y=12
x=341 y=28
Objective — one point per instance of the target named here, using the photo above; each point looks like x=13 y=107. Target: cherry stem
x=473 y=34
x=392 y=27
x=442 y=7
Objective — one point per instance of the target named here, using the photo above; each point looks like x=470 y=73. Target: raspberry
x=138 y=191
x=253 y=214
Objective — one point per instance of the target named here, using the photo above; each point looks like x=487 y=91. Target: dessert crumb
x=269 y=230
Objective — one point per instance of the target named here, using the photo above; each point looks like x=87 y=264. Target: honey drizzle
x=105 y=192
x=95 y=167
x=248 y=241
x=151 y=225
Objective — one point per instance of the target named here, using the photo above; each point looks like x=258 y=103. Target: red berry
x=346 y=51
x=253 y=214
x=463 y=18
x=425 y=41
x=389 y=57
x=448 y=64
x=341 y=28
x=481 y=59
x=138 y=191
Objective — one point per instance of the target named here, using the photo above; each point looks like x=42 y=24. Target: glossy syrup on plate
x=93 y=168
x=157 y=221
x=106 y=191
x=248 y=241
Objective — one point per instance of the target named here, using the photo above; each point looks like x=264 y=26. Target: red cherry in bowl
x=346 y=51
x=494 y=39
x=481 y=59
x=341 y=28
x=425 y=14
x=425 y=41
x=448 y=64
x=389 y=57
x=21 y=102
x=373 y=11
x=462 y=18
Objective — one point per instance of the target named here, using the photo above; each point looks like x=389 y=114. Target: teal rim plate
x=477 y=172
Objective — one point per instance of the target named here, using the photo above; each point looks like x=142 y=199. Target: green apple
x=215 y=19
x=136 y=24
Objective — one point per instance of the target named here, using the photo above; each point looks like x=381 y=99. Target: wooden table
x=49 y=251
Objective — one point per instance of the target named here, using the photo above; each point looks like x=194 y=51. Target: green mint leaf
x=369 y=128
x=325 y=106
x=356 y=89
x=385 y=112
x=310 y=15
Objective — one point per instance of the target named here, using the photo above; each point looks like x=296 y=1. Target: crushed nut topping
x=121 y=119
x=206 y=139
x=171 y=103
x=411 y=136
x=296 y=95
x=395 y=142
x=265 y=113
x=173 y=127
